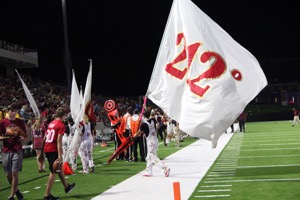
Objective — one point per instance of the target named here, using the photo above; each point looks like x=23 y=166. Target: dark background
x=123 y=37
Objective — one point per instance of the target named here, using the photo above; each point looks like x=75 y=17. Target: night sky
x=123 y=37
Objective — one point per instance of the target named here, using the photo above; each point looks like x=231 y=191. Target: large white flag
x=30 y=98
x=202 y=77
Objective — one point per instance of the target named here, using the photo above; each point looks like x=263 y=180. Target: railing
x=18 y=49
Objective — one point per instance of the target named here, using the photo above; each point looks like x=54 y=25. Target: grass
x=263 y=163
x=33 y=184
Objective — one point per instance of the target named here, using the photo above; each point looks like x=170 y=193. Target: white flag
x=76 y=100
x=202 y=78
x=31 y=100
x=77 y=115
x=87 y=97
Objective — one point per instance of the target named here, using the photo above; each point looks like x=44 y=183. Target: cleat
x=70 y=188
x=19 y=195
x=50 y=197
x=167 y=172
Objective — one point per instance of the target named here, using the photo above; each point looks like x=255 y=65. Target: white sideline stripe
x=277 y=149
x=225 y=172
x=263 y=166
x=268 y=156
x=254 y=180
x=214 y=190
x=266 y=141
x=282 y=144
x=207 y=186
x=188 y=166
x=230 y=168
x=220 y=175
x=218 y=178
x=212 y=196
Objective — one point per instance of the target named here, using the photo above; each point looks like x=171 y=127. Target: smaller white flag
x=31 y=100
x=76 y=100
x=76 y=113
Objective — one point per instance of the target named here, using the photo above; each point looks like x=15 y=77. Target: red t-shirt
x=11 y=144
x=38 y=136
x=54 y=128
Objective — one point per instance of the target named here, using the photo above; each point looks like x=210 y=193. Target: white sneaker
x=84 y=172
x=167 y=172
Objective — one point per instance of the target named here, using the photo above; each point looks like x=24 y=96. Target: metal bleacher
x=14 y=56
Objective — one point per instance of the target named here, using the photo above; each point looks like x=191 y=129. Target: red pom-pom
x=57 y=166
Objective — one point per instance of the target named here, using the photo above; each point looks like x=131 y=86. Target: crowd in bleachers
x=49 y=96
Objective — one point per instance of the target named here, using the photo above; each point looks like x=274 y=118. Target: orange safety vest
x=114 y=118
x=134 y=126
x=123 y=123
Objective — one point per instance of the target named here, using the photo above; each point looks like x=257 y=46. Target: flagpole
x=67 y=53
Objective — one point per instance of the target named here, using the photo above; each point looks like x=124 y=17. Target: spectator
x=38 y=133
x=12 y=153
x=162 y=128
x=296 y=117
x=232 y=128
x=242 y=121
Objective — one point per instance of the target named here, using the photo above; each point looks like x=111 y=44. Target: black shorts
x=51 y=157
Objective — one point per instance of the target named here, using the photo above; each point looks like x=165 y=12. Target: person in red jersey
x=12 y=153
x=53 y=150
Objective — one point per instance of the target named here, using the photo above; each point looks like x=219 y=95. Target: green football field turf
x=263 y=163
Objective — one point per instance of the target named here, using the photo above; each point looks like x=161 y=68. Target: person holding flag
x=148 y=128
x=86 y=146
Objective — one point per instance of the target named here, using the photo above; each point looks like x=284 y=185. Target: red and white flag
x=202 y=77
x=87 y=97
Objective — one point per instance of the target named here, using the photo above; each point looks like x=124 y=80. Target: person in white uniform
x=149 y=129
x=86 y=147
